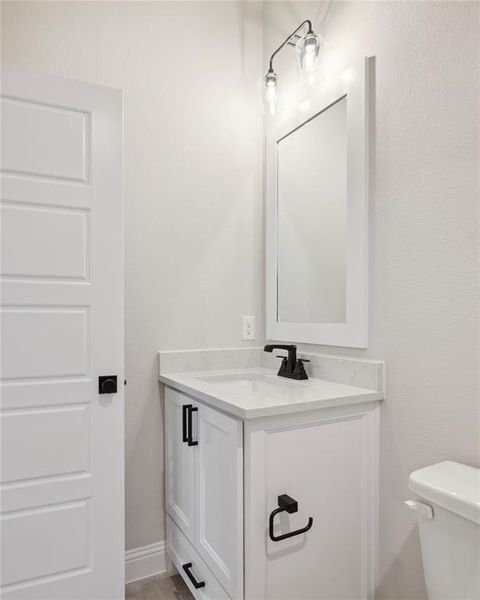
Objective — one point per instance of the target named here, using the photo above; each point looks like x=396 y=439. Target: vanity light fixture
x=307 y=49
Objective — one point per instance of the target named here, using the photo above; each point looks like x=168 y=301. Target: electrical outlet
x=248 y=328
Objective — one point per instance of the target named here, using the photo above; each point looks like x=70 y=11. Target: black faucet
x=291 y=366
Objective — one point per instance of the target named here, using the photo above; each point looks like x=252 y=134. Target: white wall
x=424 y=234
x=193 y=183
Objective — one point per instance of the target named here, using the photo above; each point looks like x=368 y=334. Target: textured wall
x=193 y=182
x=423 y=241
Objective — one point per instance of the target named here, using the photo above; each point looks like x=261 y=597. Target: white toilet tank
x=449 y=522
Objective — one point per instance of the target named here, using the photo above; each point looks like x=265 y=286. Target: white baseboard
x=145 y=561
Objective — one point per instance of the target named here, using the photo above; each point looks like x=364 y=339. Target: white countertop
x=259 y=392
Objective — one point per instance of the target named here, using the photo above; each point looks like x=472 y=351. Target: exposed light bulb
x=310 y=55
x=271 y=92
x=307 y=50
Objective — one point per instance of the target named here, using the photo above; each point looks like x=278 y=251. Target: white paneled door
x=62 y=481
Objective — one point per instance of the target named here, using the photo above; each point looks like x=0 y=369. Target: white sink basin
x=241 y=382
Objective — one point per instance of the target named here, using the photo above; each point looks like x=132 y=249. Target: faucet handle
x=283 y=366
x=299 y=371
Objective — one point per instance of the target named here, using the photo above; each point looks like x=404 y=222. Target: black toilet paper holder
x=289 y=505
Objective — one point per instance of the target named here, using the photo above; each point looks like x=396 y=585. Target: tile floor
x=158 y=587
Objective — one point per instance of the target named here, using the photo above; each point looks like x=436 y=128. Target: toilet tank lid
x=452 y=486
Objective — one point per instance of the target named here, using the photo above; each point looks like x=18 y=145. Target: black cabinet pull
x=185 y=408
x=196 y=584
x=191 y=409
x=287 y=504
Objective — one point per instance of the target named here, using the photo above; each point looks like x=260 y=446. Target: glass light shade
x=307 y=50
x=271 y=92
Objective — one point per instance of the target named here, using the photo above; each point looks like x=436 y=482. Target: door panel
x=25 y=353
x=62 y=481
x=219 y=497
x=45 y=141
x=57 y=246
x=180 y=464
x=24 y=534
x=30 y=451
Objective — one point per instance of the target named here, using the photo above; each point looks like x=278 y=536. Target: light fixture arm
x=289 y=41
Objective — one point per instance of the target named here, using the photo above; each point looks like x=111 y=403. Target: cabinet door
x=179 y=463
x=219 y=498
x=326 y=465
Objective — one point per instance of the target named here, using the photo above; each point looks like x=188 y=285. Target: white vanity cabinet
x=224 y=477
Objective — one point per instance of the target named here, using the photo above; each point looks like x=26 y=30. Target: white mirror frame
x=356 y=85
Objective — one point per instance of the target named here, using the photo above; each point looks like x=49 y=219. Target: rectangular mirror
x=311 y=219
x=317 y=217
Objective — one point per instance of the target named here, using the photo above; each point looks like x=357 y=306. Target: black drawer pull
x=285 y=503
x=185 y=408
x=191 y=409
x=196 y=584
